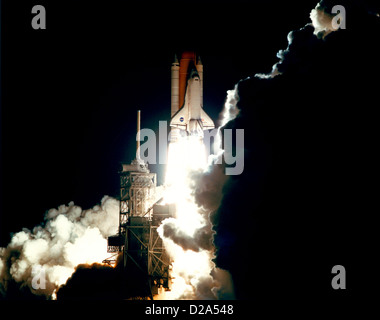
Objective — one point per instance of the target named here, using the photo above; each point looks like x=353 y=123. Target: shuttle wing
x=181 y=118
x=206 y=121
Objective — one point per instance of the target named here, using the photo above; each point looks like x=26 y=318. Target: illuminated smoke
x=321 y=24
x=322 y=21
x=69 y=236
x=230 y=110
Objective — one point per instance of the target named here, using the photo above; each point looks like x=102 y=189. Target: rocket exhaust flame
x=192 y=263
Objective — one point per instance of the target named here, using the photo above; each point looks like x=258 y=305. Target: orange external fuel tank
x=186 y=58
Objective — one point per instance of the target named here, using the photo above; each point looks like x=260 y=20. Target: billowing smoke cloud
x=43 y=259
x=278 y=221
x=321 y=26
x=230 y=109
x=201 y=239
x=322 y=21
x=208 y=187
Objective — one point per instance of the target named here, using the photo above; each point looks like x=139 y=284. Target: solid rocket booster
x=187 y=96
x=175 y=87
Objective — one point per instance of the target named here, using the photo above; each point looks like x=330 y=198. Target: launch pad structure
x=137 y=245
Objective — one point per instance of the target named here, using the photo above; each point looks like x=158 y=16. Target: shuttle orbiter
x=187 y=96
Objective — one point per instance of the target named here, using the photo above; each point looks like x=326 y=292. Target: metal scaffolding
x=138 y=240
x=138 y=243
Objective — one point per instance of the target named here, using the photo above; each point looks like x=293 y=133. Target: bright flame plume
x=190 y=269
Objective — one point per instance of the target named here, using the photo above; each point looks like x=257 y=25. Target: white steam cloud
x=322 y=21
x=70 y=236
x=230 y=110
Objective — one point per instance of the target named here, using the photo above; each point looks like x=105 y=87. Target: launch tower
x=137 y=246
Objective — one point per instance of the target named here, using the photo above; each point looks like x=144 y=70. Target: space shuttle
x=187 y=112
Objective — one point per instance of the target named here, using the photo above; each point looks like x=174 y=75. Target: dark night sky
x=70 y=95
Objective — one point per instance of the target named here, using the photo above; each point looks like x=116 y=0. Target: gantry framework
x=138 y=240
